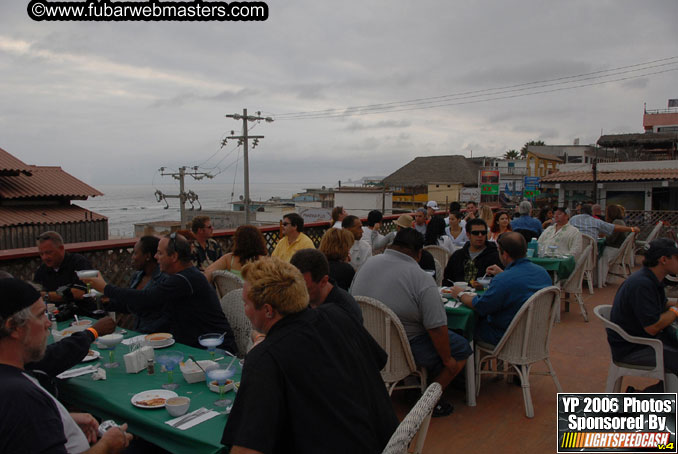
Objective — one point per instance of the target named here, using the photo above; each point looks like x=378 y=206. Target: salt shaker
x=150 y=367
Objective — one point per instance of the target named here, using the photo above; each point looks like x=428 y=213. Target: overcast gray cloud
x=112 y=102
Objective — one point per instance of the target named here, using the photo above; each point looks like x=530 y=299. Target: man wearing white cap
x=431 y=208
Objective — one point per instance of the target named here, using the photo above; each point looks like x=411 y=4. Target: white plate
x=152 y=394
x=165 y=344
x=95 y=355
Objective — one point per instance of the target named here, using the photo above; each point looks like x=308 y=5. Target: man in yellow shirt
x=294 y=240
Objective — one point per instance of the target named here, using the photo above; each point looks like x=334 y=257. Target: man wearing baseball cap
x=642 y=309
x=32 y=420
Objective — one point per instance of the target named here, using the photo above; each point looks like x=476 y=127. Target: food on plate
x=91 y=353
x=156 y=401
x=214 y=383
x=446 y=290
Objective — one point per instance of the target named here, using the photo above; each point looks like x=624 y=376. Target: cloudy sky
x=111 y=102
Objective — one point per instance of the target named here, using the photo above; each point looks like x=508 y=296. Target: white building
x=360 y=201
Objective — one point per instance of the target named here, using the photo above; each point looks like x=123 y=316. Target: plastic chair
x=439 y=272
x=439 y=253
x=385 y=327
x=620 y=265
x=525 y=342
x=574 y=282
x=225 y=281
x=618 y=369
x=591 y=265
x=415 y=423
x=234 y=309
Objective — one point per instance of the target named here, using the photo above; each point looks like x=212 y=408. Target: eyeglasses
x=478 y=232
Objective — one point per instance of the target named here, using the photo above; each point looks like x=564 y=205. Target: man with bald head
x=508 y=290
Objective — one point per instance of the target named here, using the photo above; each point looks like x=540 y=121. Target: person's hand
x=493 y=270
x=98 y=283
x=455 y=291
x=116 y=439
x=104 y=326
x=635 y=229
x=88 y=424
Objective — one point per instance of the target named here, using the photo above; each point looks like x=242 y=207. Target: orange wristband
x=674 y=309
x=93 y=331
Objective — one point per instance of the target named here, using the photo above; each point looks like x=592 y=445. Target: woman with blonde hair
x=248 y=246
x=335 y=244
x=485 y=213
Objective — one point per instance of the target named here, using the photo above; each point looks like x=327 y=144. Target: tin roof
x=9 y=165
x=45 y=182
x=617 y=175
x=26 y=215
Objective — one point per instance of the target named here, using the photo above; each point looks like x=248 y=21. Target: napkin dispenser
x=137 y=360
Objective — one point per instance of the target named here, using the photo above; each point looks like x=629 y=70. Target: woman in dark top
x=335 y=244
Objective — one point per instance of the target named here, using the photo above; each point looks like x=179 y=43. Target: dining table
x=111 y=399
x=560 y=267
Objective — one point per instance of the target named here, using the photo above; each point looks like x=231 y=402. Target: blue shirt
x=527 y=222
x=505 y=296
x=591 y=226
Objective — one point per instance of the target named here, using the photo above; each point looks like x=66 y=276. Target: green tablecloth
x=601 y=246
x=462 y=319
x=110 y=399
x=563 y=267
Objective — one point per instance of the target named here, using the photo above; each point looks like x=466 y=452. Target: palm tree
x=523 y=151
x=511 y=154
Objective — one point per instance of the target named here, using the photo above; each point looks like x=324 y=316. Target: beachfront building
x=34 y=199
x=410 y=183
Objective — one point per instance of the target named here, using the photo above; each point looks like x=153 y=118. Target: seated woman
x=435 y=235
x=455 y=230
x=249 y=245
x=546 y=217
x=500 y=224
x=147 y=275
x=335 y=244
x=614 y=214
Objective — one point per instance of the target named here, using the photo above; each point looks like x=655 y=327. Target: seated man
x=205 y=249
x=58 y=268
x=641 y=309
x=294 y=240
x=32 y=420
x=313 y=385
x=193 y=305
x=593 y=227
x=525 y=221
x=360 y=251
x=321 y=289
x=561 y=234
x=508 y=290
x=395 y=279
x=470 y=262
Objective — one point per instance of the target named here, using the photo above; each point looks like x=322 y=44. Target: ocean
x=125 y=205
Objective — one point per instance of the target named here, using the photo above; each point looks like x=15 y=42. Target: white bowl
x=87 y=273
x=192 y=373
x=214 y=387
x=110 y=340
x=177 y=406
x=158 y=339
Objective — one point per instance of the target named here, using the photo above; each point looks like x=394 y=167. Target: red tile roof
x=45 y=182
x=12 y=216
x=617 y=175
x=9 y=165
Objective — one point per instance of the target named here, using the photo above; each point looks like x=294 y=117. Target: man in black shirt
x=313 y=385
x=470 y=262
x=191 y=301
x=321 y=289
x=58 y=267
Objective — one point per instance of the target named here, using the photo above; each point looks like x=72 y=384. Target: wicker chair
x=225 y=281
x=439 y=253
x=618 y=370
x=415 y=423
x=234 y=310
x=591 y=265
x=620 y=265
x=574 y=282
x=385 y=327
x=525 y=342
x=640 y=244
x=439 y=272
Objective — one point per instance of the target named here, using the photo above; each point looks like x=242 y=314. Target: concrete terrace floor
x=580 y=356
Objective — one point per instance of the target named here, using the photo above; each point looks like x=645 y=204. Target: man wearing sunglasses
x=294 y=239
x=470 y=262
x=207 y=250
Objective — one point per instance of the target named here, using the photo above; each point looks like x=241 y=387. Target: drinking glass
x=220 y=376
x=211 y=341
x=109 y=342
x=170 y=361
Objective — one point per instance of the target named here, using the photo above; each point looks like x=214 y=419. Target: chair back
x=386 y=328
x=573 y=284
x=417 y=420
x=623 y=257
x=234 y=309
x=439 y=272
x=527 y=338
x=439 y=253
x=655 y=232
x=527 y=234
x=587 y=240
x=225 y=281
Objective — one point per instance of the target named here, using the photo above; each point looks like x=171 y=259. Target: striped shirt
x=591 y=226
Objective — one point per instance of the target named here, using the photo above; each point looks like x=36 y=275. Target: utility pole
x=183 y=196
x=244 y=140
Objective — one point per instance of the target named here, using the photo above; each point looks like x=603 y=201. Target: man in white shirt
x=567 y=237
x=360 y=251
